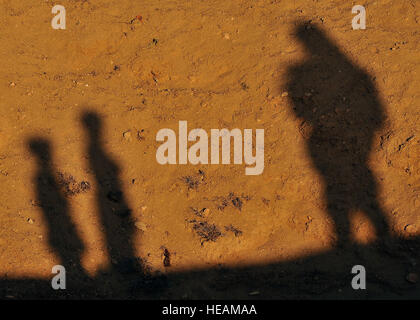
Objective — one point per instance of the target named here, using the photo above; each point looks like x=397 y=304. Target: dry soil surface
x=79 y=180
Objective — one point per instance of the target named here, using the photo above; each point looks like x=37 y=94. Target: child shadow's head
x=92 y=123
x=40 y=148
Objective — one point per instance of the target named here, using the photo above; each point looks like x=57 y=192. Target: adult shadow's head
x=328 y=90
x=314 y=39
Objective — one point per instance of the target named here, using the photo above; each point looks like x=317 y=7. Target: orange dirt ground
x=79 y=180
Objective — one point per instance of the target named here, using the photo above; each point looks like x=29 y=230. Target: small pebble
x=30 y=221
x=127 y=135
x=206 y=212
x=285 y=94
x=410 y=228
x=141 y=226
x=167 y=259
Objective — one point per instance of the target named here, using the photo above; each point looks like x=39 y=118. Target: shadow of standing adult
x=341 y=112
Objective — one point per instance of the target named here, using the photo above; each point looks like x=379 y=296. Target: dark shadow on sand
x=340 y=112
x=62 y=233
x=114 y=211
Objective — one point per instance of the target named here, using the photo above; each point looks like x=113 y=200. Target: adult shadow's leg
x=372 y=208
